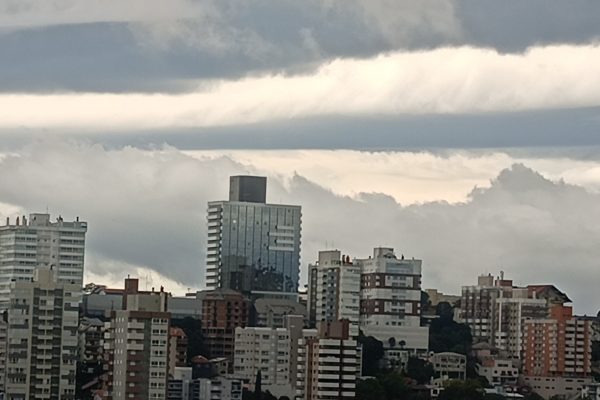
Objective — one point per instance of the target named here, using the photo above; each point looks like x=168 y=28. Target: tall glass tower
x=253 y=247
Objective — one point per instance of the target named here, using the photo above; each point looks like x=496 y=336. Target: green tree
x=595 y=350
x=459 y=390
x=447 y=335
x=193 y=330
x=419 y=370
x=372 y=353
x=394 y=386
x=370 y=389
x=258 y=386
x=444 y=310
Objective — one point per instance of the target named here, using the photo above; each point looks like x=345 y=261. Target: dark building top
x=252 y=189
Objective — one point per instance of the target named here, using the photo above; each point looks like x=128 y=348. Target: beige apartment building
x=334 y=289
x=558 y=353
x=136 y=344
x=42 y=340
x=328 y=364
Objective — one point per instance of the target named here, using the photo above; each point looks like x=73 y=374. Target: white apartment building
x=328 y=364
x=220 y=387
x=334 y=289
x=510 y=317
x=30 y=243
x=273 y=352
x=183 y=387
x=449 y=365
x=42 y=338
x=136 y=343
x=3 y=343
x=266 y=350
x=390 y=300
x=498 y=371
x=478 y=308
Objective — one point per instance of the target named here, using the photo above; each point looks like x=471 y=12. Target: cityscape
x=361 y=327
x=299 y=200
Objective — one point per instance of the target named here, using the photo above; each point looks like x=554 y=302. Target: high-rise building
x=266 y=350
x=478 y=307
x=510 y=317
x=136 y=345
x=253 y=247
x=222 y=311
x=328 y=364
x=273 y=352
x=557 y=349
x=37 y=242
x=42 y=341
x=183 y=386
x=390 y=301
x=3 y=344
x=334 y=289
x=272 y=313
x=178 y=343
x=496 y=311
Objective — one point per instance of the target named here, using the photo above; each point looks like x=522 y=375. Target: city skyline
x=443 y=272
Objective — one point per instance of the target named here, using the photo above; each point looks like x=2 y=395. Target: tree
x=258 y=386
x=369 y=389
x=444 y=310
x=459 y=390
x=447 y=335
x=425 y=301
x=419 y=370
x=372 y=353
x=595 y=350
x=193 y=330
x=394 y=386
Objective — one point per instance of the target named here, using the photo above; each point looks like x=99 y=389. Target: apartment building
x=136 y=345
x=183 y=386
x=478 y=307
x=42 y=343
x=273 y=352
x=390 y=300
x=34 y=242
x=272 y=313
x=449 y=365
x=178 y=342
x=334 y=289
x=266 y=350
x=557 y=353
x=223 y=310
x=510 y=317
x=3 y=344
x=328 y=364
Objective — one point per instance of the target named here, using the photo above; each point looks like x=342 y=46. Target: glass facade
x=253 y=247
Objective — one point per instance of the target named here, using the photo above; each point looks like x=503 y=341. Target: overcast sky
x=462 y=132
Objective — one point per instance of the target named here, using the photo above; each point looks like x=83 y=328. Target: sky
x=461 y=132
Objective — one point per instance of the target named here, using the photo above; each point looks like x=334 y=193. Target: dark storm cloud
x=556 y=131
x=232 y=38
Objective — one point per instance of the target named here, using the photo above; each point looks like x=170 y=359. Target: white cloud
x=446 y=81
x=146 y=211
